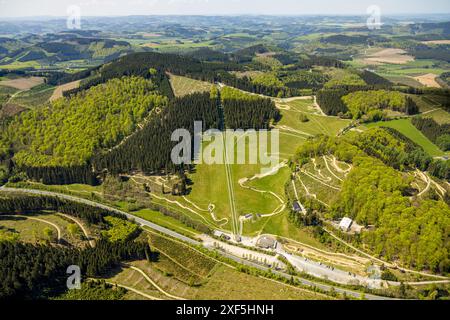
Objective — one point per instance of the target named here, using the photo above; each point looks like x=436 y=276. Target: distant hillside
x=53 y=48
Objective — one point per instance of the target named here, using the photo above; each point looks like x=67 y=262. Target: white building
x=345 y=224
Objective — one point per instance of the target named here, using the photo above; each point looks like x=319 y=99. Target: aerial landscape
x=175 y=154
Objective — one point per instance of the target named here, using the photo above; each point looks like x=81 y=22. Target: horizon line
x=230 y=15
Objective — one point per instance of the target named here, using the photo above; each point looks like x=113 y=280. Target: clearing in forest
x=58 y=93
x=183 y=86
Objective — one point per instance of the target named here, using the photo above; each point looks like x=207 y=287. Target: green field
x=431 y=106
x=19 y=65
x=30 y=227
x=209 y=181
x=28 y=230
x=34 y=97
x=405 y=127
x=413 y=68
x=165 y=221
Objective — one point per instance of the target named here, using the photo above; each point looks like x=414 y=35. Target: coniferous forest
x=39 y=271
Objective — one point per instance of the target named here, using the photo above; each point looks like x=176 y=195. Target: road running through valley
x=191 y=241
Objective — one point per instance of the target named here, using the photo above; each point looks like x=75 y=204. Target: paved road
x=192 y=241
x=323 y=271
x=105 y=207
x=317 y=269
x=306 y=282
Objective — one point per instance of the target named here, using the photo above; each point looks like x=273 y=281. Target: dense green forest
x=417 y=235
x=20 y=203
x=39 y=271
x=372 y=103
x=245 y=111
x=249 y=114
x=330 y=101
x=68 y=131
x=149 y=149
x=376 y=194
x=399 y=152
x=364 y=102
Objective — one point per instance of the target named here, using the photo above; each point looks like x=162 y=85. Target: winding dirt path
x=427 y=180
x=308 y=193
x=183 y=207
x=282 y=205
x=210 y=210
x=44 y=221
x=339 y=169
x=320 y=181
x=220 y=222
x=133 y=290
x=381 y=261
x=86 y=234
x=153 y=283
x=329 y=170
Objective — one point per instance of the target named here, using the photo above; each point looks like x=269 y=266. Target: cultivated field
x=23 y=83
x=437 y=42
x=428 y=80
x=390 y=55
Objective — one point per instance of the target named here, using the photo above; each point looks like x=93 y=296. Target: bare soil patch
x=390 y=55
x=150 y=45
x=437 y=42
x=428 y=80
x=248 y=74
x=23 y=83
x=58 y=93
x=266 y=54
x=150 y=34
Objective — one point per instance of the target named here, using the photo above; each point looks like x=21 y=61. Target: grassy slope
x=173 y=272
x=34 y=97
x=440 y=116
x=33 y=231
x=183 y=86
x=210 y=184
x=407 y=128
x=5 y=93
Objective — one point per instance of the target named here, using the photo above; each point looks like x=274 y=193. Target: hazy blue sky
x=21 y=8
